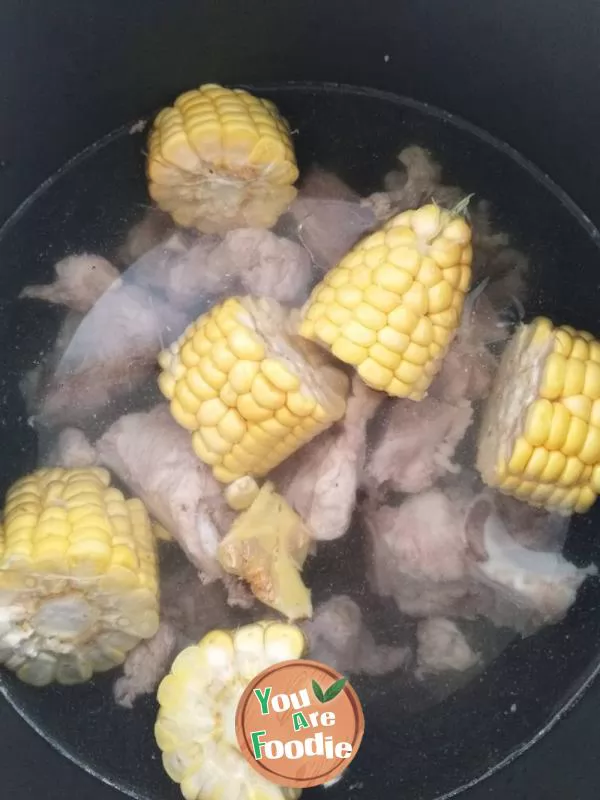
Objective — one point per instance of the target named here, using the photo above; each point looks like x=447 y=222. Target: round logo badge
x=299 y=724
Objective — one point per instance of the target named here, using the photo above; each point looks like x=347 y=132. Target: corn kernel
x=537 y=463
x=538 y=422
x=521 y=454
x=384 y=356
x=553 y=379
x=555 y=466
x=374 y=374
x=590 y=451
x=392 y=279
x=559 y=428
x=574 y=377
x=576 y=436
x=591 y=386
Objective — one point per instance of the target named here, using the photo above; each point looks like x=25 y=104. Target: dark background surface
x=564 y=765
x=528 y=72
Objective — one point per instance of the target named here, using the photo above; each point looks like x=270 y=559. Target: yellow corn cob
x=392 y=306
x=267 y=545
x=250 y=389
x=221 y=159
x=195 y=728
x=540 y=437
x=78 y=576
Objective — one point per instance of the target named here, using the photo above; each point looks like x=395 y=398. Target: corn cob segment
x=195 y=729
x=221 y=159
x=267 y=545
x=540 y=437
x=78 y=576
x=251 y=390
x=392 y=306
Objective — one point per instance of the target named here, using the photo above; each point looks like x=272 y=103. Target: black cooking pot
x=73 y=72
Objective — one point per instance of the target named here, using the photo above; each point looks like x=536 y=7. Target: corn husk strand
x=320 y=481
x=418 y=181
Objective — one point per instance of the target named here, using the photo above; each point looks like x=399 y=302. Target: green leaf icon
x=318 y=692
x=331 y=693
x=335 y=689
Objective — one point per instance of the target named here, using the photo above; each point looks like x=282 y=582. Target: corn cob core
x=391 y=307
x=267 y=546
x=540 y=437
x=249 y=388
x=221 y=159
x=195 y=729
x=78 y=576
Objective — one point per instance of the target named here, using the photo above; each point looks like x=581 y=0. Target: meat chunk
x=339 y=637
x=153 y=456
x=417 y=444
x=246 y=261
x=188 y=609
x=80 y=282
x=152 y=230
x=417 y=180
x=420 y=554
x=450 y=554
x=532 y=588
x=320 y=480
x=327 y=218
x=443 y=647
x=103 y=354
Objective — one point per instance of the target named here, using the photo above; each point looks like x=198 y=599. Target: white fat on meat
x=541 y=585
x=450 y=553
